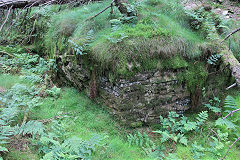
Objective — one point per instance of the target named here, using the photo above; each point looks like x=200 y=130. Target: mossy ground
x=160 y=39
x=160 y=32
x=90 y=119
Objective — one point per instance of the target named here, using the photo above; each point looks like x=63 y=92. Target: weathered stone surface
x=71 y=74
x=145 y=97
x=136 y=101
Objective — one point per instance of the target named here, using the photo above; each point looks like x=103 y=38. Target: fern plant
x=207 y=22
x=72 y=148
x=213 y=105
x=142 y=140
x=230 y=105
x=18 y=101
x=80 y=49
x=54 y=92
x=175 y=127
x=214 y=59
x=9 y=131
x=54 y=145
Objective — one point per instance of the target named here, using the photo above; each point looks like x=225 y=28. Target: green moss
x=173 y=63
x=194 y=76
x=19 y=155
x=140 y=30
x=136 y=124
x=89 y=119
x=161 y=32
x=150 y=64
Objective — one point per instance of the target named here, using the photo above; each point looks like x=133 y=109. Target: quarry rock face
x=144 y=97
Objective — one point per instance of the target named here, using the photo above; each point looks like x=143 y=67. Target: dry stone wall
x=144 y=97
x=138 y=100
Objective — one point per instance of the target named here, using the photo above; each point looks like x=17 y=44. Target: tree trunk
x=124 y=7
x=30 y=3
x=230 y=60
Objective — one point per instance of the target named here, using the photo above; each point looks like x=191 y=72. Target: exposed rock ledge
x=138 y=100
x=145 y=96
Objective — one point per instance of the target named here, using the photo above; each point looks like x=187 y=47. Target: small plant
x=231 y=107
x=213 y=105
x=198 y=151
x=207 y=22
x=175 y=127
x=116 y=38
x=141 y=140
x=54 y=92
x=18 y=102
x=81 y=49
x=26 y=63
x=71 y=148
x=55 y=145
x=214 y=59
x=116 y=24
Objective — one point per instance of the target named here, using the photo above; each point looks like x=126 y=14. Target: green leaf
x=230 y=102
x=3 y=149
x=183 y=140
x=175 y=138
x=190 y=126
x=165 y=136
x=225 y=122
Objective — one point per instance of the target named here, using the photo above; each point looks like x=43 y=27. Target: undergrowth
x=161 y=31
x=54 y=123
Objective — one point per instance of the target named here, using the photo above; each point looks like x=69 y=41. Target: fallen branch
x=230 y=60
x=231 y=147
x=231 y=33
x=233 y=85
x=231 y=113
x=23 y=3
x=7 y=53
x=9 y=10
x=99 y=12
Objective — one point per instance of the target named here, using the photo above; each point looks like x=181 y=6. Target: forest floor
x=86 y=120
x=80 y=117
x=226 y=9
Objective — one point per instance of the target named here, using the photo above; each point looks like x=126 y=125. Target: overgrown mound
x=163 y=35
x=123 y=44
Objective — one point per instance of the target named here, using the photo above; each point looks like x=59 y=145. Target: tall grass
x=161 y=31
x=89 y=119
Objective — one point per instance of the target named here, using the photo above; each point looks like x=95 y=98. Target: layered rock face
x=144 y=97
x=138 y=100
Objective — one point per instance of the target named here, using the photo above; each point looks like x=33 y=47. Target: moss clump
x=11 y=50
x=161 y=32
x=195 y=76
x=136 y=124
x=140 y=30
x=173 y=63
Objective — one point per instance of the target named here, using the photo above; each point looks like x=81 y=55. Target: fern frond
x=3 y=149
x=189 y=126
x=213 y=59
x=230 y=102
x=225 y=122
x=202 y=117
x=31 y=127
